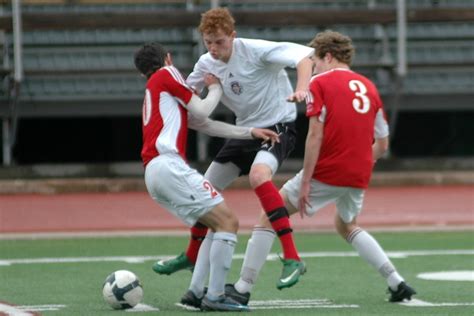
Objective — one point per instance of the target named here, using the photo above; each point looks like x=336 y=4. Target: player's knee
x=258 y=175
x=229 y=222
x=344 y=229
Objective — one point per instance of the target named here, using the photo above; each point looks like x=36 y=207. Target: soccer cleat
x=242 y=298
x=223 y=304
x=404 y=291
x=190 y=300
x=292 y=270
x=170 y=266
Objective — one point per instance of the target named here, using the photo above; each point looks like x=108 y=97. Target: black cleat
x=223 y=304
x=404 y=291
x=190 y=300
x=242 y=298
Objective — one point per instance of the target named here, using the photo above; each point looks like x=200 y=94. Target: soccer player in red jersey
x=169 y=108
x=347 y=134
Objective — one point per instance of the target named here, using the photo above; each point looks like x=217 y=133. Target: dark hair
x=149 y=58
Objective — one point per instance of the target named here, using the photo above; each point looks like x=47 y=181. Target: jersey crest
x=236 y=87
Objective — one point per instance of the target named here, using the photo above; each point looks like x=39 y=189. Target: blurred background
x=70 y=98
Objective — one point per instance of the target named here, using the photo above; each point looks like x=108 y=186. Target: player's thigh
x=320 y=194
x=221 y=175
x=180 y=189
x=349 y=205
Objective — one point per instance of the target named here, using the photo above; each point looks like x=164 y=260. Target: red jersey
x=165 y=120
x=350 y=106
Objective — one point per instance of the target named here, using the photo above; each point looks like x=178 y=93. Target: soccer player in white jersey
x=257 y=90
x=347 y=134
x=170 y=106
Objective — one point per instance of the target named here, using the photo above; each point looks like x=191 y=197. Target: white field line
x=293 y=304
x=12 y=310
x=141 y=259
x=419 y=303
x=142 y=308
x=40 y=308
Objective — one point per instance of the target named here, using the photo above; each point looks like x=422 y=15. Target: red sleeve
x=314 y=101
x=174 y=83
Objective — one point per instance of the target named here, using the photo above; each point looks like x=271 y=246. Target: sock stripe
x=353 y=234
x=284 y=231
x=263 y=230
x=200 y=225
x=276 y=214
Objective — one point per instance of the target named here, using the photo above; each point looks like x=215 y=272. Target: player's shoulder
x=245 y=45
x=206 y=61
x=168 y=73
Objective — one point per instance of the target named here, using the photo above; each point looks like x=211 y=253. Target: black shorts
x=242 y=152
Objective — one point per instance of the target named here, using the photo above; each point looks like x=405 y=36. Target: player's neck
x=339 y=65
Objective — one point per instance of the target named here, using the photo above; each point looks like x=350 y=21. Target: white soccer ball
x=122 y=289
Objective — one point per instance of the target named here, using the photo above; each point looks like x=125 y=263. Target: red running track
x=385 y=207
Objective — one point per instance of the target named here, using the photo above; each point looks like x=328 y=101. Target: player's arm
x=380 y=145
x=224 y=130
x=291 y=55
x=202 y=108
x=314 y=140
x=304 y=71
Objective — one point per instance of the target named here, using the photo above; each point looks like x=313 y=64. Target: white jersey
x=254 y=83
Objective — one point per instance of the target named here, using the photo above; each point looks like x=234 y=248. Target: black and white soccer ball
x=122 y=289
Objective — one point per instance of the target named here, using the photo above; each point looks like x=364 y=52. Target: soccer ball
x=122 y=289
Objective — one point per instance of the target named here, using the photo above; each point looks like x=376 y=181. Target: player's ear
x=328 y=58
x=233 y=34
x=168 y=60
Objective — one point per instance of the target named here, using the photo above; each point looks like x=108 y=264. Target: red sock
x=198 y=232
x=278 y=215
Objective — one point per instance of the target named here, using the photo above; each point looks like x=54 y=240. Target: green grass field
x=67 y=275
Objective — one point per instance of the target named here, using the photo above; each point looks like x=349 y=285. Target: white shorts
x=348 y=200
x=183 y=191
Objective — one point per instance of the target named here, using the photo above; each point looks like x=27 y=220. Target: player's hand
x=297 y=96
x=210 y=79
x=267 y=135
x=303 y=199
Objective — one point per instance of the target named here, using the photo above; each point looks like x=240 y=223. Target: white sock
x=369 y=249
x=201 y=268
x=220 y=256
x=258 y=248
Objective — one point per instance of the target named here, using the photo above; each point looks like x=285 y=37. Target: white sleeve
x=285 y=54
x=196 y=78
x=381 y=126
x=202 y=108
x=219 y=129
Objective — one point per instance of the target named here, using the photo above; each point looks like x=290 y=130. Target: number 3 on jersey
x=361 y=102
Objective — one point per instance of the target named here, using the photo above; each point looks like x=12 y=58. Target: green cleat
x=173 y=265
x=290 y=275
